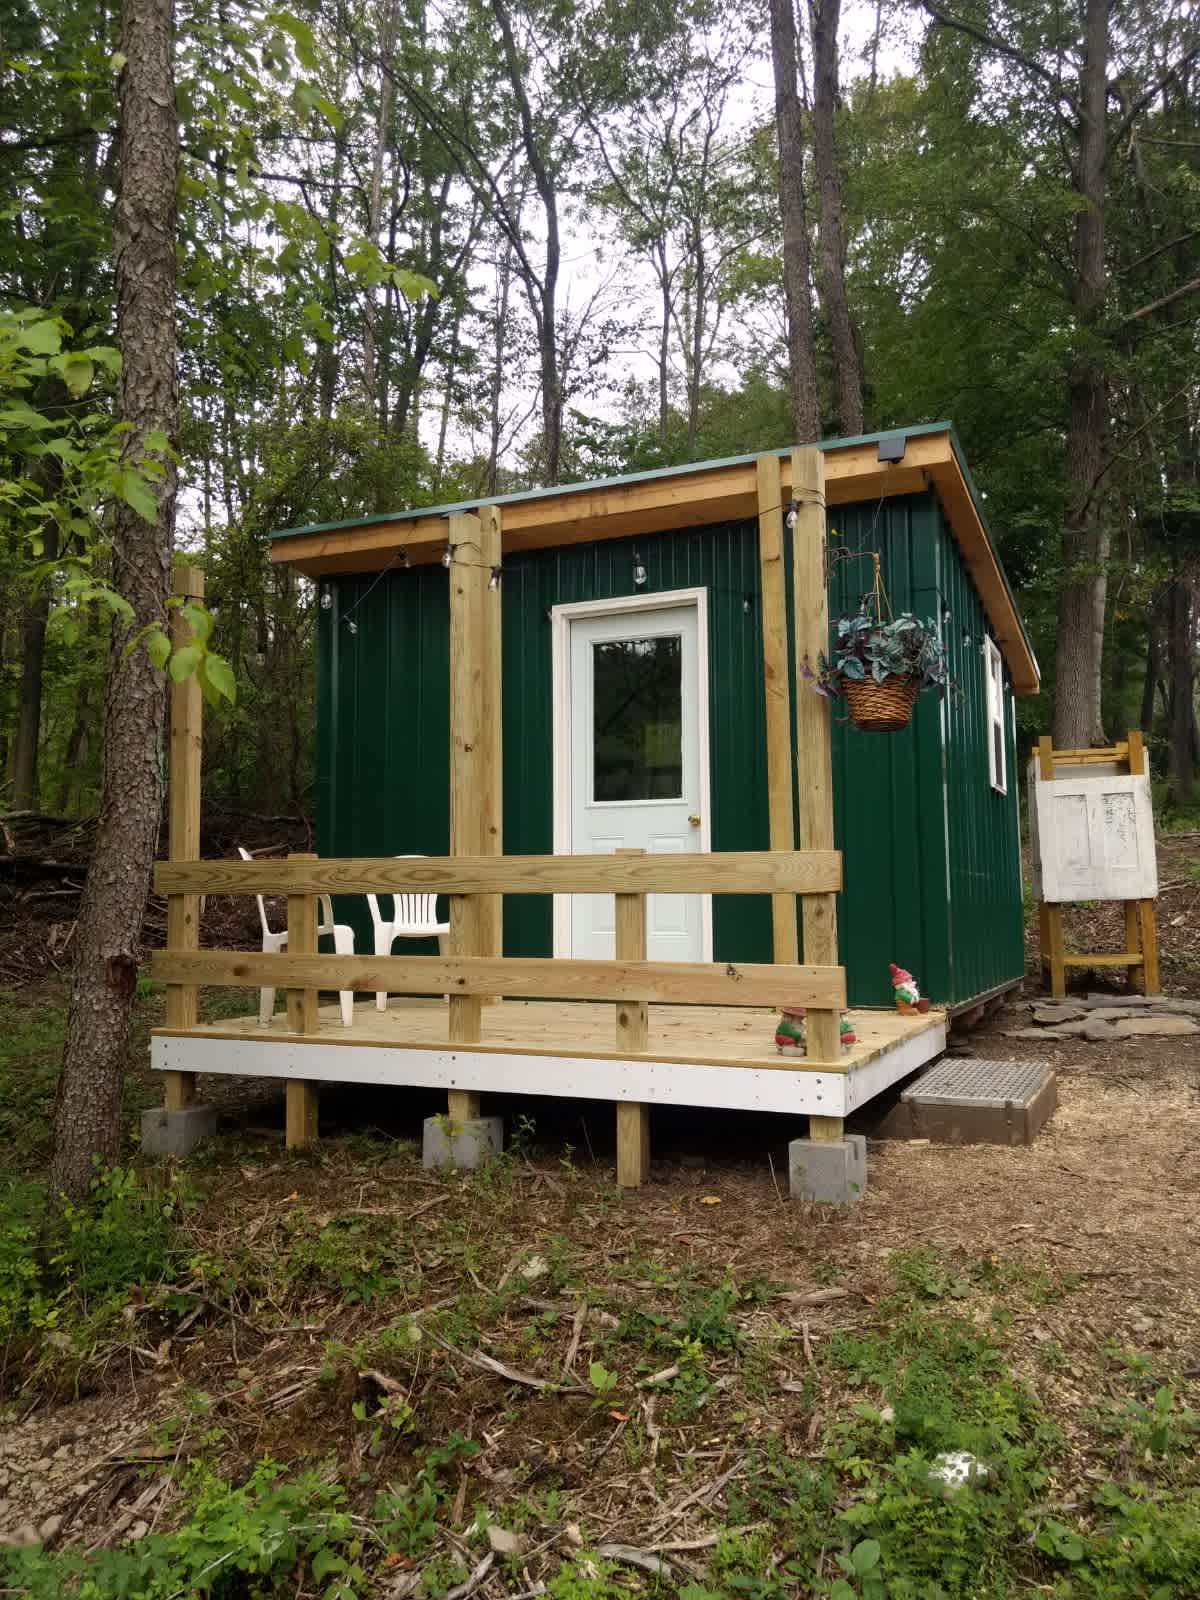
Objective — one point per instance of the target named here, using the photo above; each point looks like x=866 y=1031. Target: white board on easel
x=1093 y=837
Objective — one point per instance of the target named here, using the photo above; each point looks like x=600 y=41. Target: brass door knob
x=694 y=822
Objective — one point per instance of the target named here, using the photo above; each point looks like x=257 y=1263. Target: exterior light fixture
x=892 y=447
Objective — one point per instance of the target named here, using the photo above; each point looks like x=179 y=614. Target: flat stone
x=1128 y=1027
x=50 y=1529
x=1102 y=1000
x=1054 y=1013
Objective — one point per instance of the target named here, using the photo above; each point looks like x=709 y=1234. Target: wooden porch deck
x=697 y=1055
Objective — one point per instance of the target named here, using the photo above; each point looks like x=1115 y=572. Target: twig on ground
x=577 y=1323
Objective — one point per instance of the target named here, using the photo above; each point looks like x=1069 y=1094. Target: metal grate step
x=980 y=1083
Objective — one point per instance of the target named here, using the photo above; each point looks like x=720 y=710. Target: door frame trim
x=561 y=618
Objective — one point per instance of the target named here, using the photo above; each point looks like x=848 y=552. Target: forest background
x=431 y=253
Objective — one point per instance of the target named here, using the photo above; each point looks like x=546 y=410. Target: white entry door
x=635 y=730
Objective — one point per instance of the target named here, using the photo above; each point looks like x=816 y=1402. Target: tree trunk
x=87 y=1119
x=1078 y=718
x=824 y=16
x=1153 y=668
x=29 y=703
x=543 y=292
x=797 y=266
x=387 y=37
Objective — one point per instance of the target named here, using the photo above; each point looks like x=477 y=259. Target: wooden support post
x=1046 y=758
x=814 y=756
x=468 y=767
x=1137 y=753
x=772 y=585
x=1133 y=945
x=491 y=910
x=825 y=1130
x=633 y=1035
x=183 y=814
x=1149 y=942
x=1044 y=940
x=302 y=1013
x=1056 y=950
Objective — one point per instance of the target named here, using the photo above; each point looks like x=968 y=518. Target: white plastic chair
x=341 y=933
x=414 y=916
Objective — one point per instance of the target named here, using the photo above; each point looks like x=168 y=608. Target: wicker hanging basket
x=880 y=707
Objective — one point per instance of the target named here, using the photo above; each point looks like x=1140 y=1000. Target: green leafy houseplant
x=881 y=666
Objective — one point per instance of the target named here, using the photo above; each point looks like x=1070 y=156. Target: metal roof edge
x=977 y=502
x=622 y=478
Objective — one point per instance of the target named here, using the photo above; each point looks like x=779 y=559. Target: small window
x=993 y=672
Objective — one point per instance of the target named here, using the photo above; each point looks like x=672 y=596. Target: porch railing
x=630 y=979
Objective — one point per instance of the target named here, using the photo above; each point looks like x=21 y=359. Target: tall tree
x=824 y=16
x=797 y=264
x=87 y=1120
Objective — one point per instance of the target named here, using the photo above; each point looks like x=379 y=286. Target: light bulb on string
x=494 y=580
x=352 y=625
x=447 y=556
x=326 y=599
x=639 y=572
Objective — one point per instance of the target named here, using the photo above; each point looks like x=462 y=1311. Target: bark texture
x=88 y=1113
x=824 y=16
x=1077 y=709
x=797 y=266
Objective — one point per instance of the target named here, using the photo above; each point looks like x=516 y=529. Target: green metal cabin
x=633 y=639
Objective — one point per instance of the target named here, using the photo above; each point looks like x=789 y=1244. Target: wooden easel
x=1140 y=955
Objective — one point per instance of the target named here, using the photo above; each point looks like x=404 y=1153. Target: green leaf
x=158 y=647
x=132 y=489
x=156 y=439
x=42 y=338
x=864 y=1557
x=841 y=1590
x=78 y=372
x=117 y=60
x=185 y=661
x=199 y=619
x=218 y=674
x=412 y=285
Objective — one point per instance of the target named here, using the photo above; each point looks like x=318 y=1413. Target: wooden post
x=825 y=1130
x=784 y=944
x=1050 y=928
x=491 y=909
x=469 y=752
x=1150 y=978
x=1057 y=949
x=814 y=756
x=302 y=1012
x=183 y=813
x=1139 y=914
x=633 y=1037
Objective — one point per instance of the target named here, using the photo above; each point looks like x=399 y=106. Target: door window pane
x=638 y=706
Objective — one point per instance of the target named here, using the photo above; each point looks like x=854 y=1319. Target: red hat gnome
x=909 y=999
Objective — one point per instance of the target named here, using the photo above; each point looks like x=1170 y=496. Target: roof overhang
x=689 y=497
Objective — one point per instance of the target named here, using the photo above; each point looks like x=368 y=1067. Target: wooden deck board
x=703 y=1035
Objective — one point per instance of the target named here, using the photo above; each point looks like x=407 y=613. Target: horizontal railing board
x=727 y=872
x=671 y=982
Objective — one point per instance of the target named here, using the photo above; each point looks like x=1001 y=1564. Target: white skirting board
x=825 y=1094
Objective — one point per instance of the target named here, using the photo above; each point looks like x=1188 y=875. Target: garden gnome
x=789 y=1031
x=790 y=1038
x=909 y=999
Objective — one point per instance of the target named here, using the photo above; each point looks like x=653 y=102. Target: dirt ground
x=300 y=1267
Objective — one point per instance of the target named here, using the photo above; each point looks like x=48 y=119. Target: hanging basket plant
x=881 y=663
x=880 y=666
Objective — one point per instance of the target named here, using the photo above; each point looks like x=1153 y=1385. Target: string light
x=639 y=572
x=747 y=605
x=494 y=580
x=326 y=598
x=447 y=557
x=352 y=625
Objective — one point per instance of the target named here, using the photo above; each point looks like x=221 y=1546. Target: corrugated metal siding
x=985 y=941
x=889 y=815
x=384 y=751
